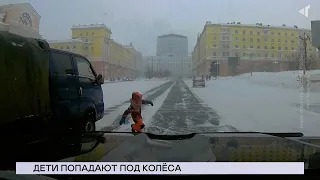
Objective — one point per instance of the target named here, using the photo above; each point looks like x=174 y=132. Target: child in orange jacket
x=136 y=102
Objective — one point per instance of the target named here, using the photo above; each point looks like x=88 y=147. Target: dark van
x=48 y=99
x=76 y=91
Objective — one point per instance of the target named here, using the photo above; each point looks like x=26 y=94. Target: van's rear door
x=64 y=88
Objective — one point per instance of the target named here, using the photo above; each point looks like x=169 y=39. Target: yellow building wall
x=279 y=42
x=116 y=53
x=96 y=36
x=75 y=47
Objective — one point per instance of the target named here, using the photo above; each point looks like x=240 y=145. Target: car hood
x=141 y=148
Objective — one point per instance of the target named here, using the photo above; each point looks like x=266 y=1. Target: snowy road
x=176 y=110
x=182 y=111
x=266 y=102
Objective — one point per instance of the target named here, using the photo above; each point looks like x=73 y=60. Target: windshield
x=164 y=67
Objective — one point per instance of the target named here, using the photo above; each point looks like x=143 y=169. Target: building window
x=237 y=38
x=258 y=33
x=225 y=46
x=225 y=53
x=236 y=32
x=265 y=47
x=258 y=47
x=258 y=40
x=279 y=40
x=292 y=48
x=251 y=32
x=214 y=53
x=272 y=40
x=291 y=34
x=279 y=33
x=243 y=32
x=286 y=48
x=286 y=34
x=251 y=46
x=213 y=38
x=243 y=39
x=214 y=45
x=279 y=48
x=86 y=33
x=236 y=46
x=272 y=47
x=74 y=47
x=251 y=39
x=292 y=41
x=285 y=41
x=67 y=47
x=272 y=33
x=61 y=47
x=92 y=33
x=244 y=46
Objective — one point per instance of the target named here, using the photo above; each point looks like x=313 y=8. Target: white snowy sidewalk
x=259 y=106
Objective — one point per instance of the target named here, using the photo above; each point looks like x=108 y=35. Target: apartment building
x=258 y=43
x=109 y=58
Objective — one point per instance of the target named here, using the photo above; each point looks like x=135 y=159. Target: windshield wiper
x=282 y=135
x=190 y=135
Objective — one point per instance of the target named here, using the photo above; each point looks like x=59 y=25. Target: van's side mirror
x=100 y=79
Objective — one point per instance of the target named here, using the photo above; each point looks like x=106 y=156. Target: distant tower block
x=315 y=33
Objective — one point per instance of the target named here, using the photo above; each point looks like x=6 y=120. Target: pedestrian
x=134 y=109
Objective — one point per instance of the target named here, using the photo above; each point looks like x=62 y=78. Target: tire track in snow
x=116 y=107
x=116 y=115
x=183 y=112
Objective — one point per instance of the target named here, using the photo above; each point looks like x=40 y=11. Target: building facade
x=170 y=65
x=109 y=58
x=172 y=45
x=78 y=46
x=258 y=45
x=21 y=19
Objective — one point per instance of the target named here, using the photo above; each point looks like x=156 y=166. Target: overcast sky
x=141 y=21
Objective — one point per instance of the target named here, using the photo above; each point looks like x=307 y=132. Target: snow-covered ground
x=116 y=93
x=269 y=102
x=147 y=113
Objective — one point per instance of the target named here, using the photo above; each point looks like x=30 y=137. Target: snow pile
x=286 y=79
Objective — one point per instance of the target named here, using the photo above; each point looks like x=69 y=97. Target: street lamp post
x=217 y=69
x=251 y=66
x=304 y=40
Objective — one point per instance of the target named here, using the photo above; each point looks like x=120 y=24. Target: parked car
x=199 y=82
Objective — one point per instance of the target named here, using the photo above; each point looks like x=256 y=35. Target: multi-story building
x=21 y=19
x=108 y=57
x=78 y=46
x=266 y=47
x=174 y=65
x=172 y=45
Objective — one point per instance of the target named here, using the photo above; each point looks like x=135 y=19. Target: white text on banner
x=160 y=168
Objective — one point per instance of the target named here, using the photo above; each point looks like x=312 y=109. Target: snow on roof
x=68 y=41
x=257 y=25
x=85 y=26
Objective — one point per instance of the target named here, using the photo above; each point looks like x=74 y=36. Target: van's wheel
x=89 y=123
